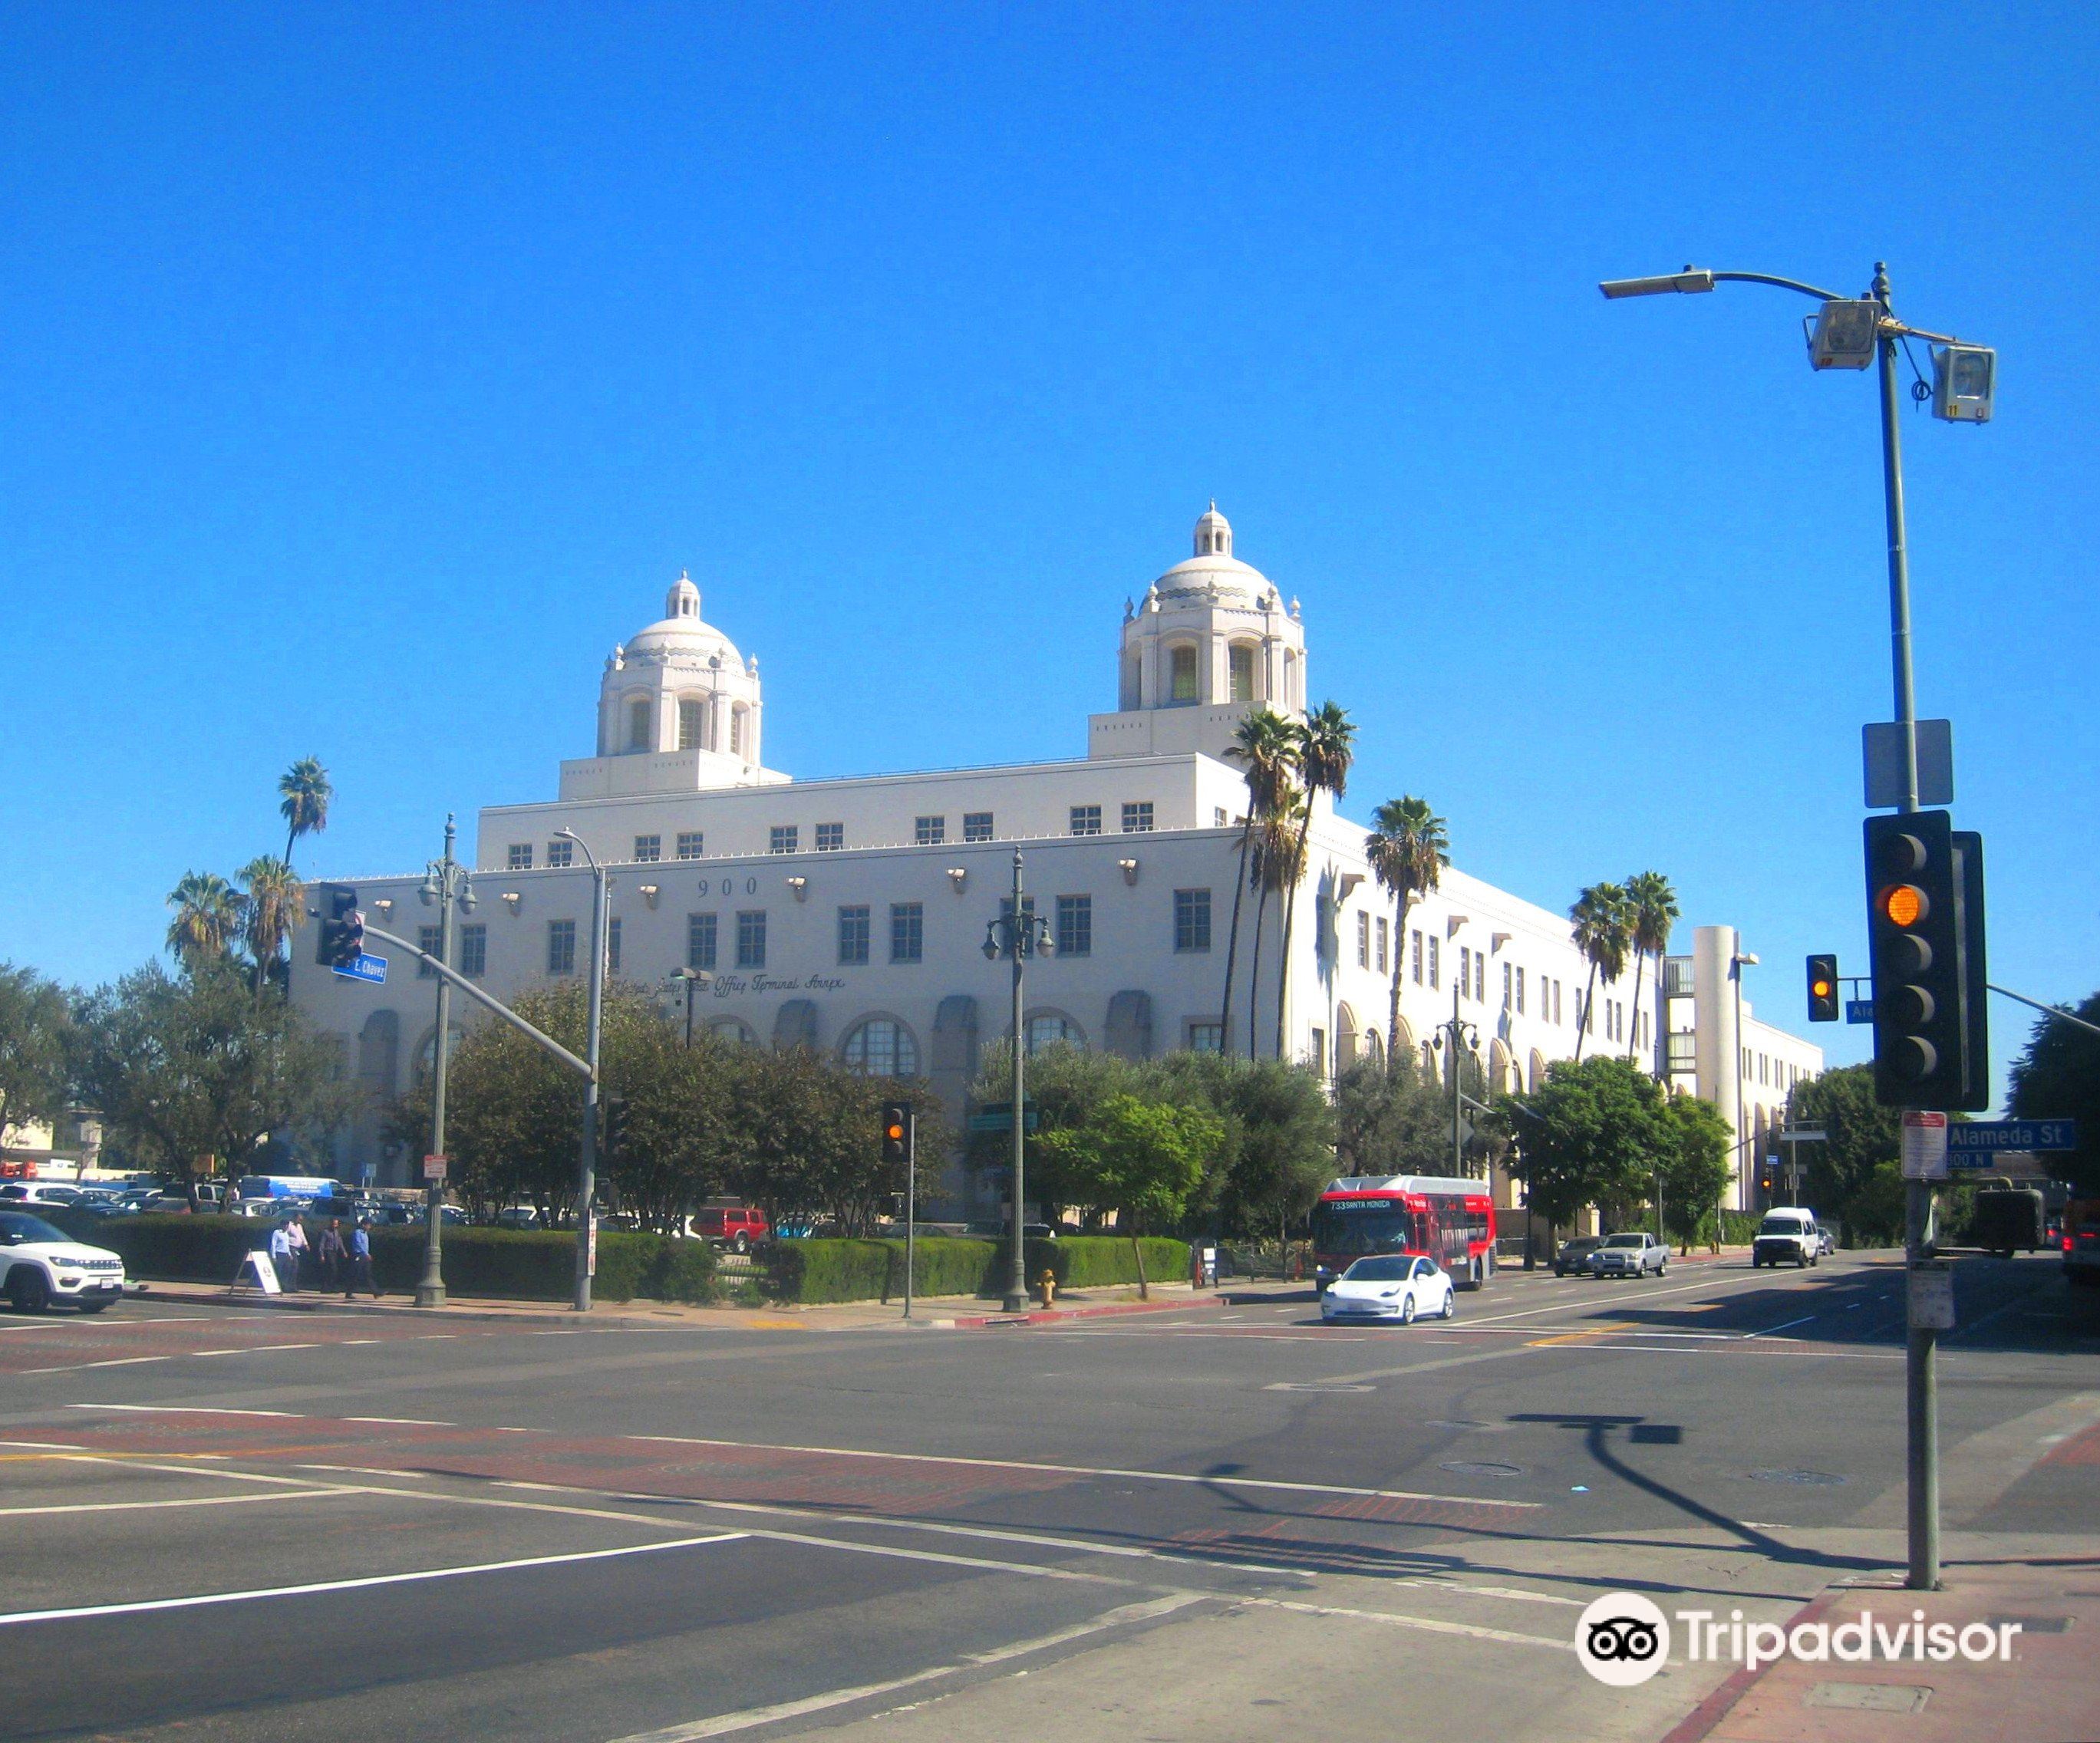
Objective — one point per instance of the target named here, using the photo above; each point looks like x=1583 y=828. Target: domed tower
x=679 y=688
x=1211 y=639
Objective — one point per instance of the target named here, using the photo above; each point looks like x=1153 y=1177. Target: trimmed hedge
x=517 y=1264
x=815 y=1271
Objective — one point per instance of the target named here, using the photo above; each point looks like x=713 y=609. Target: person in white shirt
x=295 y=1239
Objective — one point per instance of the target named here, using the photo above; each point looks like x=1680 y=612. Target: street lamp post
x=1464 y=1038
x=587 y=1148
x=1018 y=935
x=446 y=884
x=1739 y=960
x=1852 y=333
x=693 y=978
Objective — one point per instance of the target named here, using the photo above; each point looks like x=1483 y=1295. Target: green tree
x=305 y=793
x=2057 y=1076
x=1144 y=1159
x=1408 y=848
x=1066 y=1084
x=1326 y=749
x=273 y=904
x=207 y=919
x=1654 y=913
x=36 y=1036
x=1596 y=1135
x=1603 y=932
x=185 y=1070
x=1694 y=1171
x=1279 y=1147
x=1854 y=1175
x=1265 y=746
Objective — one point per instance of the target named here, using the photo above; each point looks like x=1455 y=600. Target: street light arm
x=2047 y=1010
x=1695 y=280
x=467 y=986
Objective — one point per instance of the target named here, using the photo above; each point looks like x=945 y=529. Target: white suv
x=1787 y=1234
x=41 y=1265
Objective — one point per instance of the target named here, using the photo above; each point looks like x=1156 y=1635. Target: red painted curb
x=1694 y=1726
x=979 y=1321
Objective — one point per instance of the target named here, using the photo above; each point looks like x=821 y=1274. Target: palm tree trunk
x=1290 y=915
x=1254 y=968
x=291 y=836
x=1399 y=967
x=1633 y=1028
x=1582 y=1016
x=1232 y=943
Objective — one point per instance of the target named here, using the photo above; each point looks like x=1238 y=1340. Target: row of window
x=787 y=838
x=1424 y=963
x=1773 y=1072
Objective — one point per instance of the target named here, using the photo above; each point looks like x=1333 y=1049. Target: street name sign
x=998 y=1117
x=1859 y=1010
x=1973 y=1143
x=369 y=970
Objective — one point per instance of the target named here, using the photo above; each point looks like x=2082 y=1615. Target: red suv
x=737 y=1227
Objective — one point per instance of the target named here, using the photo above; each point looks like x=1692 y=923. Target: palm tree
x=1324 y=753
x=1603 y=930
x=306 y=792
x=1408 y=849
x=273 y=903
x=207 y=916
x=1655 y=911
x=1276 y=868
x=1264 y=742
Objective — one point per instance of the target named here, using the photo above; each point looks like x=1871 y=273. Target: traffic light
x=1925 y=931
x=341 y=929
x=616 y=1125
x=1823 y=990
x=897 y=1132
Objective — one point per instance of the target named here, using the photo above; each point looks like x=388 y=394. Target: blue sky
x=370 y=372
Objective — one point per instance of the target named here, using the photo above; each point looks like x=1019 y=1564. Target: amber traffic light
x=1823 y=989
x=896 y=1131
x=1925 y=930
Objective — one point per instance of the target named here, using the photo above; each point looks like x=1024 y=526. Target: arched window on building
x=1291 y=678
x=737 y=731
x=637 y=723
x=1133 y=685
x=734 y=1031
x=692 y=723
x=1346 y=1038
x=1183 y=682
x=881 y=1047
x=1240 y=658
x=1053 y=1028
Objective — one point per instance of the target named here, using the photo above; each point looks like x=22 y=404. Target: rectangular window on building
x=1384 y=941
x=1558 y=987
x=519 y=857
x=1137 y=817
x=561 y=946
x=928 y=830
x=907 y=932
x=1363 y=941
x=1206 y=1038
x=1182 y=682
x=638 y=726
x=1075 y=926
x=648 y=848
x=1520 y=992
x=1085 y=819
x=1509 y=987
x=561 y=852
x=976 y=826
x=1480 y=977
x=1220 y=818
x=1434 y=941
x=612 y=947
x=699 y=941
x=852 y=937
x=1192 y=921
x=831 y=837
x=784 y=838
x=751 y=938
x=426 y=939
x=1465 y=971
x=1320 y=1052
x=692 y=843
x=1239 y=661
x=473 y=951
x=691 y=711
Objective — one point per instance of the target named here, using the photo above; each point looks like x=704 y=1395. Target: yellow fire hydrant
x=1047 y=1281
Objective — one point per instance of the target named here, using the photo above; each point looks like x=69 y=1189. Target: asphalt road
x=1214 y=1522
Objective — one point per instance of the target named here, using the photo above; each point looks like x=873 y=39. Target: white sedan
x=41 y=1267
x=1390 y=1286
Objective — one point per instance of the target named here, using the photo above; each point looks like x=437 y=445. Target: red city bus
x=1452 y=1220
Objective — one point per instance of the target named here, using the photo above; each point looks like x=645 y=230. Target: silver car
x=1630 y=1255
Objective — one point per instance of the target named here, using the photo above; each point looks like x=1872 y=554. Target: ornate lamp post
x=1017 y=934
x=446 y=886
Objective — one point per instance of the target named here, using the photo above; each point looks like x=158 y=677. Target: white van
x=1787 y=1233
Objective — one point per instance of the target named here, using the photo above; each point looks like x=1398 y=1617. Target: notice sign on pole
x=434 y=1169
x=1923 y=1145
x=1931 y=1299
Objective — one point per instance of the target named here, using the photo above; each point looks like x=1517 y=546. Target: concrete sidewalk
x=2048 y=1693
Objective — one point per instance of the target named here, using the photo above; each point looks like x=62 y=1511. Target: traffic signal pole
x=1921 y=1375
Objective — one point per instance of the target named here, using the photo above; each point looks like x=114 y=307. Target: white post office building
x=849 y=914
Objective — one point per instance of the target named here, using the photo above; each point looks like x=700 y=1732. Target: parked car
x=46 y=1193
x=517 y=1216
x=40 y=1267
x=738 y=1227
x=1390 y=1286
x=1574 y=1255
x=1788 y=1233
x=1630 y=1255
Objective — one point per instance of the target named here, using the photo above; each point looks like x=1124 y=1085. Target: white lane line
x=1784 y=1325
x=203 y=1600
x=144 y=1506
x=753 y=1717
x=366 y=1471
x=405 y=1422
x=77 y=1367
x=1427 y=1624
x=1062 y=1469
x=182 y=1409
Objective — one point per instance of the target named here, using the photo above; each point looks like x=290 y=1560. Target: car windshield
x=1624 y=1240
x=1386 y=1269
x=1779 y=1225
x=15 y=1227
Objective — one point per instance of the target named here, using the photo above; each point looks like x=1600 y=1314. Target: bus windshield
x=1367 y=1225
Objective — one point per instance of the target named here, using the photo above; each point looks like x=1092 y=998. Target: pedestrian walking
x=295 y=1238
x=282 y=1260
x=360 y=1263
x=330 y=1254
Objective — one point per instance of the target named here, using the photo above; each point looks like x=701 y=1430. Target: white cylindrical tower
x=680 y=685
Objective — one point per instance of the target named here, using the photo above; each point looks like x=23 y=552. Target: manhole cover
x=1812 y=1479
x=1480 y=1468
x=1870 y=1697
